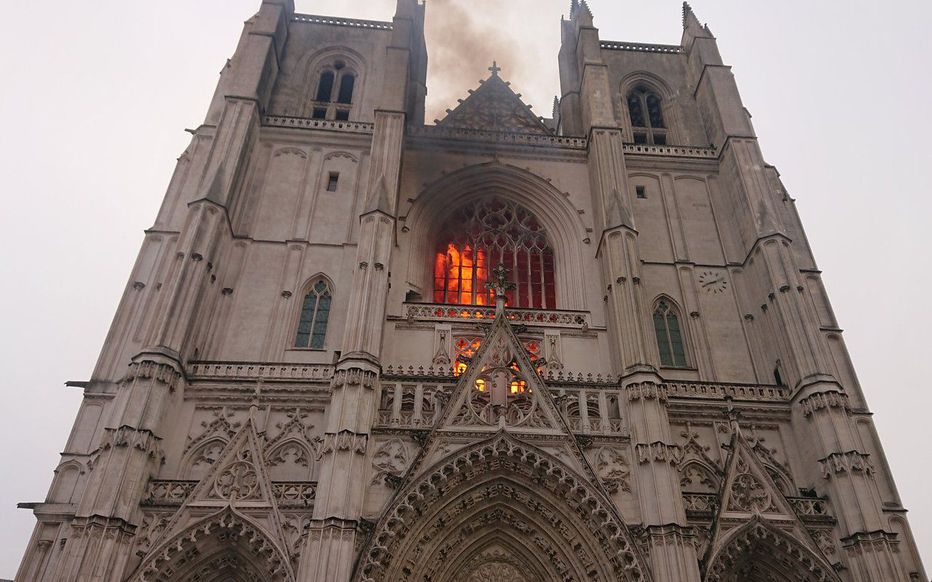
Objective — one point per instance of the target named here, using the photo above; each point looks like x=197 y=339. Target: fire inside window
x=466 y=349
x=487 y=233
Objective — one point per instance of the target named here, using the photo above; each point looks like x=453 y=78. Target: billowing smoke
x=465 y=36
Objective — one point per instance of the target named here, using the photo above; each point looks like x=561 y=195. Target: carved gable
x=494 y=107
x=501 y=389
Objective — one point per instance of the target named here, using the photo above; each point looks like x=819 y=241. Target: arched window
x=645 y=109
x=334 y=92
x=315 y=314
x=669 y=335
x=487 y=233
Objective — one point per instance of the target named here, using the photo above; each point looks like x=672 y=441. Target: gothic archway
x=759 y=552
x=554 y=209
x=223 y=547
x=500 y=502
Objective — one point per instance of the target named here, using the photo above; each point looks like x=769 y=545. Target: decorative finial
x=501 y=284
x=494 y=69
x=686 y=9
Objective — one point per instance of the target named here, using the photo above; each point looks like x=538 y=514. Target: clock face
x=712 y=282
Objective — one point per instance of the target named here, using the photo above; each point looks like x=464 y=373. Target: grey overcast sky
x=97 y=94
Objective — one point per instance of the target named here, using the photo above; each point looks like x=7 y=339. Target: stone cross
x=495 y=69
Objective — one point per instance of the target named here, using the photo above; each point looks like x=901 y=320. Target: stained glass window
x=487 y=233
x=315 y=314
x=669 y=335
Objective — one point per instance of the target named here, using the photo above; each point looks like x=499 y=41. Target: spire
x=692 y=28
x=580 y=8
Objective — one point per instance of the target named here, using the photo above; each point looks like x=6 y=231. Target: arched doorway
x=505 y=506
x=759 y=552
x=224 y=547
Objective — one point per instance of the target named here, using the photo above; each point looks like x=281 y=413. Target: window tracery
x=487 y=233
x=334 y=96
x=315 y=315
x=645 y=110
x=669 y=335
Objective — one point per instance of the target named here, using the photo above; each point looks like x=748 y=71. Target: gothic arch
x=297 y=306
x=677 y=310
x=225 y=546
x=657 y=85
x=697 y=476
x=290 y=451
x=556 y=214
x=205 y=452
x=760 y=552
x=500 y=489
x=313 y=64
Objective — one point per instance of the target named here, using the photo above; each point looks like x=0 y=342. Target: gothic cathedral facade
x=499 y=347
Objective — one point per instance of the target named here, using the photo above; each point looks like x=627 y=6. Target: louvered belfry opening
x=484 y=234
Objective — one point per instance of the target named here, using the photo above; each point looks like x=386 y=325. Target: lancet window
x=487 y=233
x=334 y=96
x=669 y=335
x=645 y=109
x=315 y=315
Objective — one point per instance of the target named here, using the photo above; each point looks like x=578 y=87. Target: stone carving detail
x=153 y=524
x=613 y=469
x=748 y=493
x=496 y=572
x=658 y=453
x=160 y=373
x=238 y=480
x=128 y=437
x=354 y=377
x=390 y=460
x=647 y=391
x=825 y=541
x=222 y=426
x=174 y=493
x=851 y=462
x=823 y=400
x=381 y=558
x=344 y=441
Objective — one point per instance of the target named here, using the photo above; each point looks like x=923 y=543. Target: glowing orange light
x=460 y=275
x=480 y=385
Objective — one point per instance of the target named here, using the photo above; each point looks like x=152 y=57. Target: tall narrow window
x=487 y=233
x=645 y=109
x=669 y=335
x=325 y=87
x=315 y=314
x=333 y=181
x=347 y=83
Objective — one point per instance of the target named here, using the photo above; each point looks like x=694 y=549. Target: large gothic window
x=669 y=335
x=645 y=110
x=315 y=314
x=487 y=233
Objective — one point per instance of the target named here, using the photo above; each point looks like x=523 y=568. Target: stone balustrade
x=173 y=493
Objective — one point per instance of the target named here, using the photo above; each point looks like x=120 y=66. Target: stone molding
x=822 y=400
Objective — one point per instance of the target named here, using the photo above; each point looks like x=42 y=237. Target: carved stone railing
x=537 y=317
x=640 y=47
x=718 y=391
x=500 y=137
x=322 y=124
x=173 y=493
x=255 y=370
x=314 y=19
x=671 y=151
x=809 y=509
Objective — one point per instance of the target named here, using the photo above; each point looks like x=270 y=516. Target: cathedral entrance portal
x=500 y=511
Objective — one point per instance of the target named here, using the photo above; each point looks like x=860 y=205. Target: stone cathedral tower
x=499 y=347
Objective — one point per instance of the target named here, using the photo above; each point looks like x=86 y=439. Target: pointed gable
x=494 y=107
x=501 y=389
